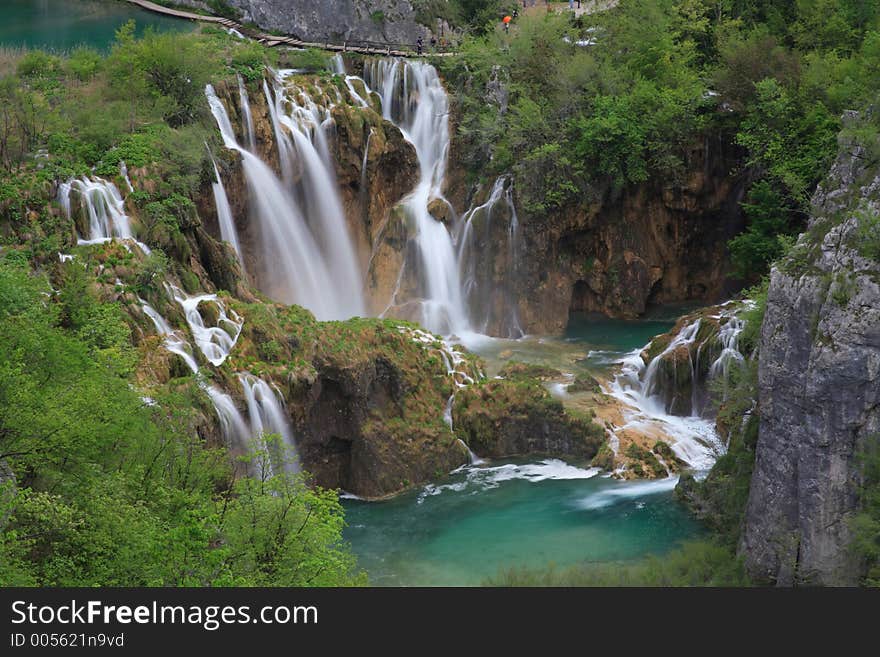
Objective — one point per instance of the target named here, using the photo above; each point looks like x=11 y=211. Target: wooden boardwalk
x=271 y=40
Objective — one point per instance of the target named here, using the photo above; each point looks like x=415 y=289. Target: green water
x=472 y=525
x=482 y=520
x=61 y=25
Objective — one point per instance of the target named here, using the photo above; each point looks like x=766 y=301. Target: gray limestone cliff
x=819 y=385
x=391 y=21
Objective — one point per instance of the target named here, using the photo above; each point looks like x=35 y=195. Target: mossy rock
x=644 y=463
x=585 y=383
x=517 y=370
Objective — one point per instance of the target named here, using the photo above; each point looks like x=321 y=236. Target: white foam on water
x=625 y=491
x=482 y=478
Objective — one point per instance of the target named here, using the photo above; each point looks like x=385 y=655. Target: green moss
x=644 y=463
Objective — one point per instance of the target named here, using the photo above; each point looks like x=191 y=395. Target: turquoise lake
x=61 y=25
x=482 y=520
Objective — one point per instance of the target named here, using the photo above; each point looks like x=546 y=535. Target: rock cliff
x=392 y=21
x=819 y=385
x=660 y=242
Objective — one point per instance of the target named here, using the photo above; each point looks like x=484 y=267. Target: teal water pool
x=61 y=25
x=481 y=520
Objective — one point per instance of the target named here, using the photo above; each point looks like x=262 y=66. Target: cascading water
x=265 y=408
x=638 y=386
x=304 y=143
x=491 y=303
x=414 y=99
x=123 y=171
x=173 y=342
x=293 y=269
x=101 y=201
x=228 y=232
x=267 y=414
x=338 y=67
x=246 y=115
x=215 y=342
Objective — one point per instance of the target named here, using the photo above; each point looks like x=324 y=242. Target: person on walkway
x=571 y=5
x=419 y=45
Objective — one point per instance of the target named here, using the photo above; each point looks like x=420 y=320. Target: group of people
x=420 y=44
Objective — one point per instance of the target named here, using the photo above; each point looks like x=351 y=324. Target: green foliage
x=753 y=315
x=866 y=523
x=37 y=63
x=867 y=237
x=695 y=563
x=752 y=251
x=311 y=59
x=170 y=70
x=84 y=63
x=111 y=491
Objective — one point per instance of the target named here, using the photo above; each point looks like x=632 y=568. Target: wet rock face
x=660 y=242
x=334 y=20
x=348 y=437
x=819 y=388
x=518 y=417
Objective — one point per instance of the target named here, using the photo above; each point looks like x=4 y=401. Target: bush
x=37 y=63
x=84 y=63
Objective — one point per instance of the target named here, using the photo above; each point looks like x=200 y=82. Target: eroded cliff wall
x=819 y=386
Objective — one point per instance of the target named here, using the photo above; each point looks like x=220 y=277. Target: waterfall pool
x=60 y=25
x=482 y=520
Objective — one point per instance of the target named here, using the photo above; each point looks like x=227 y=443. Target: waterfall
x=215 y=342
x=305 y=142
x=639 y=386
x=415 y=100
x=248 y=118
x=228 y=231
x=337 y=65
x=232 y=423
x=101 y=201
x=293 y=267
x=265 y=407
x=173 y=342
x=267 y=414
x=685 y=338
x=123 y=171
x=476 y=246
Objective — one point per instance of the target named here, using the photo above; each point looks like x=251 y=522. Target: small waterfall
x=228 y=231
x=473 y=459
x=728 y=336
x=248 y=117
x=102 y=203
x=415 y=100
x=685 y=338
x=265 y=407
x=337 y=65
x=267 y=413
x=215 y=342
x=477 y=246
x=640 y=387
x=173 y=342
x=293 y=267
x=123 y=171
x=305 y=143
x=232 y=423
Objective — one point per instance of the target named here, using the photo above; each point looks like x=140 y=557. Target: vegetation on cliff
x=101 y=486
x=614 y=98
